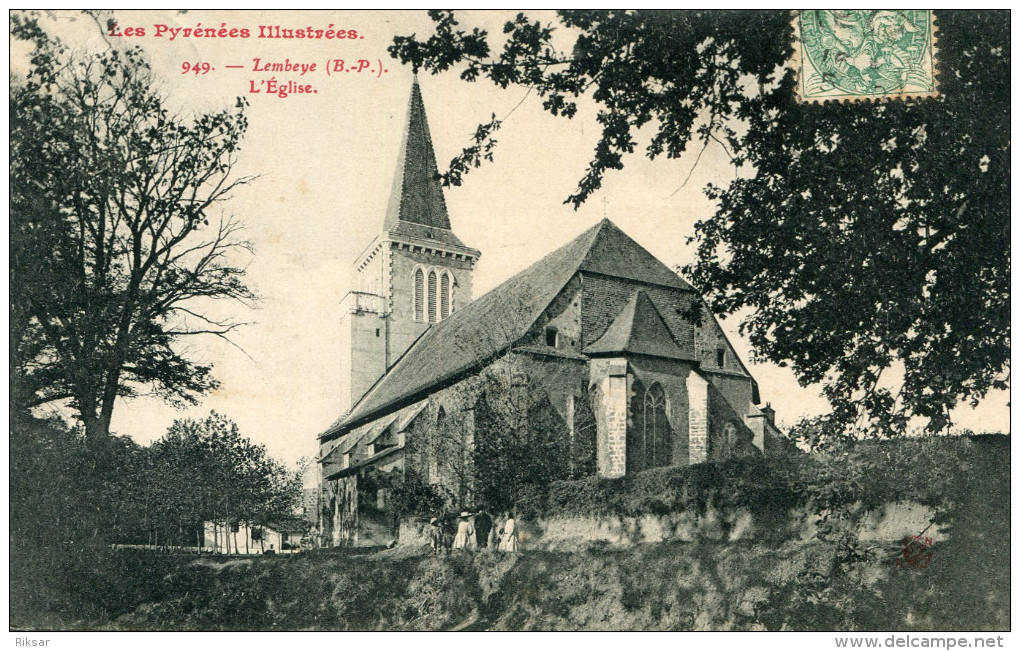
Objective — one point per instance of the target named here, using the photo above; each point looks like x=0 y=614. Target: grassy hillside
x=830 y=582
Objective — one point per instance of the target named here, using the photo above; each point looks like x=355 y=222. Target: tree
x=859 y=238
x=206 y=471
x=519 y=440
x=118 y=247
x=69 y=501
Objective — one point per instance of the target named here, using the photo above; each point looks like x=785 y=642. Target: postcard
x=511 y=321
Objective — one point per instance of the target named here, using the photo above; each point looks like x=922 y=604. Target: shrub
x=929 y=470
x=410 y=495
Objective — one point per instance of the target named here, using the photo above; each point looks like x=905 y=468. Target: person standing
x=448 y=525
x=509 y=542
x=465 y=532
x=483 y=527
x=435 y=536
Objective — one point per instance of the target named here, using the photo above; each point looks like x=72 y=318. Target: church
x=597 y=359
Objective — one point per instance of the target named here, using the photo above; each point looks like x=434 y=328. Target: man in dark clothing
x=448 y=525
x=483 y=525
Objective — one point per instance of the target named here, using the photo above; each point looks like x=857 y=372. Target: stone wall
x=698 y=420
x=610 y=400
x=887 y=523
x=563 y=314
x=362 y=354
x=729 y=401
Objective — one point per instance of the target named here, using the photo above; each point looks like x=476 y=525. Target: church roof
x=614 y=253
x=417 y=208
x=638 y=329
x=473 y=335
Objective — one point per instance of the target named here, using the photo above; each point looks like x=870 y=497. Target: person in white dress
x=508 y=542
x=465 y=532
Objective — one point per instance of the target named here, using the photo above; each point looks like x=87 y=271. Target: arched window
x=432 y=297
x=444 y=296
x=655 y=437
x=419 y=295
x=731 y=436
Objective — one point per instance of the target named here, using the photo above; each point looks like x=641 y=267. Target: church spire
x=417 y=196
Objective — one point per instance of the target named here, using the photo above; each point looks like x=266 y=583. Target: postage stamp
x=847 y=55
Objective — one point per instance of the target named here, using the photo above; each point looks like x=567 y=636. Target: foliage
x=117 y=249
x=68 y=500
x=520 y=440
x=705 y=585
x=928 y=470
x=819 y=433
x=509 y=458
x=73 y=498
x=498 y=437
x=413 y=496
x=861 y=237
x=914 y=270
x=206 y=471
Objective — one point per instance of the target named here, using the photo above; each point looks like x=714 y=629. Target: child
x=435 y=536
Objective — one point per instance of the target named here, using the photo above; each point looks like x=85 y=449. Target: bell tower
x=415 y=273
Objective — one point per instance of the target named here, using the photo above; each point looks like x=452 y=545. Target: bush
x=928 y=470
x=411 y=496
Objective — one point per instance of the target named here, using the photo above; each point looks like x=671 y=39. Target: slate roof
x=622 y=257
x=638 y=329
x=411 y=231
x=346 y=472
x=408 y=417
x=417 y=208
x=484 y=328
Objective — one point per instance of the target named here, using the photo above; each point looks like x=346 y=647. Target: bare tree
x=118 y=244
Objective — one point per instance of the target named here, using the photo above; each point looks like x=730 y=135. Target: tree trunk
x=89 y=408
x=111 y=379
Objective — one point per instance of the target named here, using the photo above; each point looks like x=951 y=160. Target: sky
x=324 y=164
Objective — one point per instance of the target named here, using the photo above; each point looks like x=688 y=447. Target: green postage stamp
x=865 y=54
